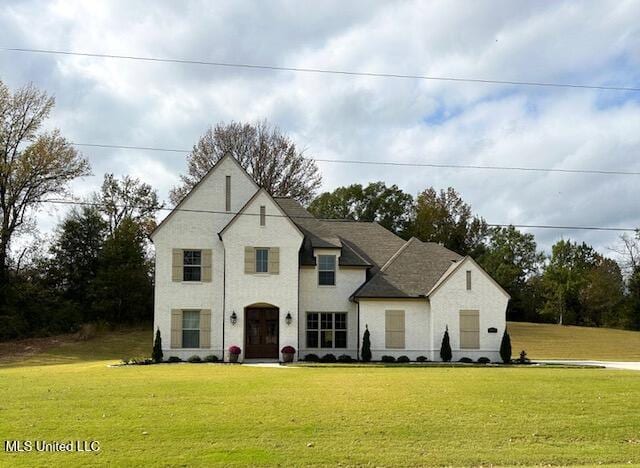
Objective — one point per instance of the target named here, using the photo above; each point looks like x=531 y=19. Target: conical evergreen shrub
x=445 y=348
x=366 y=346
x=505 y=348
x=156 y=354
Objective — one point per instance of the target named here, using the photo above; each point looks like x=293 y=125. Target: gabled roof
x=456 y=266
x=194 y=188
x=363 y=244
x=411 y=272
x=283 y=213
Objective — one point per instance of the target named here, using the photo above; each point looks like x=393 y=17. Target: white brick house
x=236 y=266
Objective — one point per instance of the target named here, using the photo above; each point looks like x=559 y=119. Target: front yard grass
x=212 y=414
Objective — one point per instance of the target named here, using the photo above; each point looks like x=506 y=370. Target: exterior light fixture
x=234 y=318
x=288 y=318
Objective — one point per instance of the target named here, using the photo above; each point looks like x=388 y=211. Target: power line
x=320 y=70
x=391 y=163
x=237 y=213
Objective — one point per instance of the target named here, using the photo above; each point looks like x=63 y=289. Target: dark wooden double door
x=261 y=333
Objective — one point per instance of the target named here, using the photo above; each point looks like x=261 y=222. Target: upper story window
x=227 y=193
x=326 y=270
x=468 y=280
x=263 y=215
x=192 y=265
x=262 y=260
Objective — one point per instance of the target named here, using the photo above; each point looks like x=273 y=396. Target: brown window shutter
x=394 y=329
x=177 y=265
x=205 y=328
x=249 y=260
x=469 y=329
x=206 y=265
x=274 y=260
x=176 y=328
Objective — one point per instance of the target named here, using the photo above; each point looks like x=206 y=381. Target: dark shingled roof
x=396 y=268
x=412 y=272
x=363 y=243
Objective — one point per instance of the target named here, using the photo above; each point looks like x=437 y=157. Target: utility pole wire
x=321 y=70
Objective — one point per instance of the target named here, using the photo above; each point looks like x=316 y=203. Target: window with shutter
x=394 y=329
x=190 y=328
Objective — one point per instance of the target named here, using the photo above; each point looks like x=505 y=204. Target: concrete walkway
x=608 y=364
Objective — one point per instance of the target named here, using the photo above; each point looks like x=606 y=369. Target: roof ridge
x=398 y=253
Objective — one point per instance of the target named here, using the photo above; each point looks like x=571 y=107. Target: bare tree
x=629 y=251
x=264 y=151
x=128 y=198
x=33 y=164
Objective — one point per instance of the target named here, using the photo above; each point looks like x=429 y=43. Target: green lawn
x=546 y=341
x=214 y=414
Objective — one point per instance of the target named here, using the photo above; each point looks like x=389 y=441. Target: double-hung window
x=326 y=270
x=192 y=265
x=191 y=329
x=326 y=330
x=262 y=260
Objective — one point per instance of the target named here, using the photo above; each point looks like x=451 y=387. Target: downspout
x=358 y=328
x=224 y=291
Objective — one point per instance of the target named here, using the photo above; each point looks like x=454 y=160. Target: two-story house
x=236 y=266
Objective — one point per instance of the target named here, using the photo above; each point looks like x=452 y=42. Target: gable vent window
x=326 y=270
x=468 y=280
x=263 y=215
x=227 y=196
x=192 y=270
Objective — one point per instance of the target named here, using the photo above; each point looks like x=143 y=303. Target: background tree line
x=98 y=265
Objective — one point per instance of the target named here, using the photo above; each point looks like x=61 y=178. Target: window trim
x=319 y=330
x=265 y=260
x=185 y=265
x=334 y=270
x=183 y=329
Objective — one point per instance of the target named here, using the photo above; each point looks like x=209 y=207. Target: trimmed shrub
x=174 y=359
x=345 y=358
x=211 y=358
x=195 y=358
x=156 y=354
x=403 y=359
x=484 y=360
x=388 y=359
x=422 y=359
x=466 y=360
x=328 y=358
x=366 y=346
x=505 y=348
x=445 y=347
x=312 y=358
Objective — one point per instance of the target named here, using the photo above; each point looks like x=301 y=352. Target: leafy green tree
x=122 y=290
x=389 y=206
x=633 y=300
x=505 y=347
x=512 y=258
x=445 y=347
x=128 y=198
x=366 y=346
x=267 y=154
x=73 y=265
x=445 y=218
x=157 y=355
x=564 y=277
x=602 y=297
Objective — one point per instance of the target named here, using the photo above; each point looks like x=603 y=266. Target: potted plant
x=288 y=353
x=234 y=352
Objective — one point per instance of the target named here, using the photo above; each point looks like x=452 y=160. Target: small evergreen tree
x=505 y=348
x=445 y=348
x=366 y=346
x=156 y=354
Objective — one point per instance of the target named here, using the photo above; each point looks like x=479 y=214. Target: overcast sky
x=344 y=117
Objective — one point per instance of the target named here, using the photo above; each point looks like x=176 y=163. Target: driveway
x=608 y=364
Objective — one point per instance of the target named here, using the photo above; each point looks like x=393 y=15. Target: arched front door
x=261 y=332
